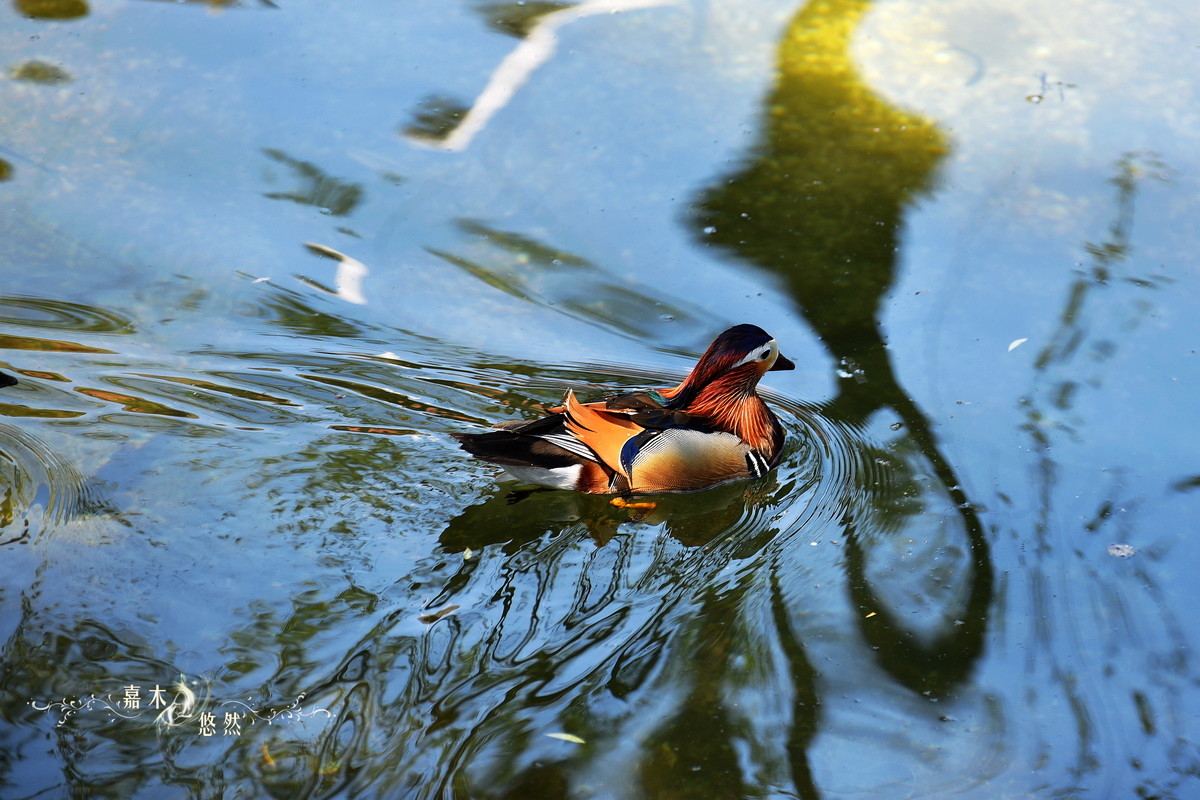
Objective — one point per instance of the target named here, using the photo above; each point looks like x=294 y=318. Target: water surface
x=262 y=259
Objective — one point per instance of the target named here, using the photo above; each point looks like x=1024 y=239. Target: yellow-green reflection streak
x=821 y=198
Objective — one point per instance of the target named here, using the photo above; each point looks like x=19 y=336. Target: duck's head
x=735 y=361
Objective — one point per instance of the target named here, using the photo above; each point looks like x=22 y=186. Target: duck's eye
x=755 y=356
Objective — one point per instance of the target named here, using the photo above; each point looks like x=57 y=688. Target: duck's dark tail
x=519 y=445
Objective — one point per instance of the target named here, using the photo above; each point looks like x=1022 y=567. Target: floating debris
x=1015 y=343
x=1121 y=550
x=434 y=616
x=566 y=737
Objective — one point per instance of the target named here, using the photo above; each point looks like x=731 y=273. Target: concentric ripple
x=38 y=489
x=62 y=315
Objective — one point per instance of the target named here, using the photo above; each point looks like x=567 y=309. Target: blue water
x=227 y=474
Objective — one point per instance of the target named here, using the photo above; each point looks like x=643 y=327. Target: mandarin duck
x=710 y=429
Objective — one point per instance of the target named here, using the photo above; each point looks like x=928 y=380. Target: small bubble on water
x=710 y=230
x=1035 y=98
x=325 y=211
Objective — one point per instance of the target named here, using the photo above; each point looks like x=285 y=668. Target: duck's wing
x=649 y=410
x=604 y=432
x=635 y=401
x=686 y=459
x=655 y=452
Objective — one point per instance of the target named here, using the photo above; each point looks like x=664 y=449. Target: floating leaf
x=434 y=616
x=566 y=737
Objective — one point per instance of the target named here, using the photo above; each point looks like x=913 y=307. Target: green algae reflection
x=821 y=201
x=821 y=198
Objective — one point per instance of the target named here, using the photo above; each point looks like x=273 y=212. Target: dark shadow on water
x=1110 y=295
x=435 y=118
x=316 y=188
x=519 y=18
x=548 y=277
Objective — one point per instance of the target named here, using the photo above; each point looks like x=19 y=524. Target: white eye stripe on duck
x=762 y=353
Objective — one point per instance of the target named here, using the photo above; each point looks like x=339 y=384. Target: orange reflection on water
x=46 y=345
x=138 y=405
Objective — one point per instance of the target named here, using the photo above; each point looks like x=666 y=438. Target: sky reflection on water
x=229 y=463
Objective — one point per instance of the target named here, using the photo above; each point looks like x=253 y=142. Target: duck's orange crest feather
x=605 y=433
